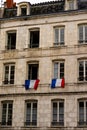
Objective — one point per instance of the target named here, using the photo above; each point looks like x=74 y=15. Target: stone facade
x=71 y=52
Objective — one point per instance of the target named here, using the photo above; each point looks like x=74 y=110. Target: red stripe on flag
x=63 y=83
x=36 y=84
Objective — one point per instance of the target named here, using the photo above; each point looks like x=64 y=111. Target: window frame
x=58 y=36
x=32 y=64
x=84 y=78
x=31 y=45
x=8 y=81
x=57 y=123
x=6 y=122
x=58 y=70
x=9 y=46
x=84 y=122
x=23 y=7
x=83 y=40
x=71 y=4
x=31 y=123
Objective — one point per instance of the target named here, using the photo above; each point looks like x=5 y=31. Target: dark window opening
x=33 y=71
x=34 y=39
x=11 y=43
x=23 y=11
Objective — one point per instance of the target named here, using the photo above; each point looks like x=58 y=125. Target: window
x=9 y=73
x=83 y=70
x=58 y=113
x=33 y=71
x=58 y=70
x=7 y=110
x=82 y=117
x=11 y=40
x=59 y=36
x=71 y=4
x=34 y=38
x=31 y=113
x=23 y=10
x=83 y=34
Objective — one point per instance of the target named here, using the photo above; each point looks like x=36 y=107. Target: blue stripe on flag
x=53 y=83
x=27 y=83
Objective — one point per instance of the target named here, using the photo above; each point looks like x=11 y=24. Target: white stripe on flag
x=58 y=82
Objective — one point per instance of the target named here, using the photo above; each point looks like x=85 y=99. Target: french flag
x=58 y=83
x=31 y=84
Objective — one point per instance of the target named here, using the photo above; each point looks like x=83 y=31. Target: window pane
x=56 y=35
x=55 y=112
x=11 y=41
x=34 y=39
x=33 y=71
x=61 y=112
x=10 y=106
x=6 y=73
x=4 y=109
x=61 y=70
x=81 y=33
x=62 y=36
x=28 y=112
x=34 y=112
x=55 y=70
x=12 y=74
x=86 y=70
x=81 y=71
x=81 y=111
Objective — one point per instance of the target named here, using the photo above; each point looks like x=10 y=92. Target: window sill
x=59 y=46
x=82 y=82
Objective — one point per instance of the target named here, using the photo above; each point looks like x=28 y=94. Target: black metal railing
x=28 y=123
x=54 y=123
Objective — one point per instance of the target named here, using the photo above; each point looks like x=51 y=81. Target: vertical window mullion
x=7 y=115
x=31 y=111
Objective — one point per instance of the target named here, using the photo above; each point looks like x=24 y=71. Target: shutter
x=56 y=35
x=62 y=36
x=85 y=33
x=80 y=34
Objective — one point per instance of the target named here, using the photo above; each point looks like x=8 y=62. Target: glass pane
x=81 y=111
x=54 y=112
x=62 y=36
x=56 y=35
x=55 y=70
x=61 y=112
x=28 y=112
x=61 y=70
x=81 y=71
x=4 y=109
x=34 y=112
x=86 y=70
x=10 y=107
x=80 y=34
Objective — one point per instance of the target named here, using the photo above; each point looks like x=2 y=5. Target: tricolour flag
x=57 y=83
x=31 y=84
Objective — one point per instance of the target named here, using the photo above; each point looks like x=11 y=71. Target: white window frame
x=71 y=4
x=8 y=47
x=9 y=74
x=58 y=69
x=58 y=114
x=84 y=70
x=85 y=121
x=7 y=104
x=84 y=34
x=31 y=123
x=58 y=35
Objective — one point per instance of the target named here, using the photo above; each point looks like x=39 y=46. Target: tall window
x=11 y=40
x=82 y=116
x=58 y=70
x=23 y=10
x=59 y=36
x=58 y=113
x=9 y=73
x=71 y=4
x=34 y=38
x=83 y=70
x=83 y=33
x=33 y=71
x=31 y=113
x=7 y=110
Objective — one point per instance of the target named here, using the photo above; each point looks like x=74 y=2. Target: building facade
x=43 y=41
